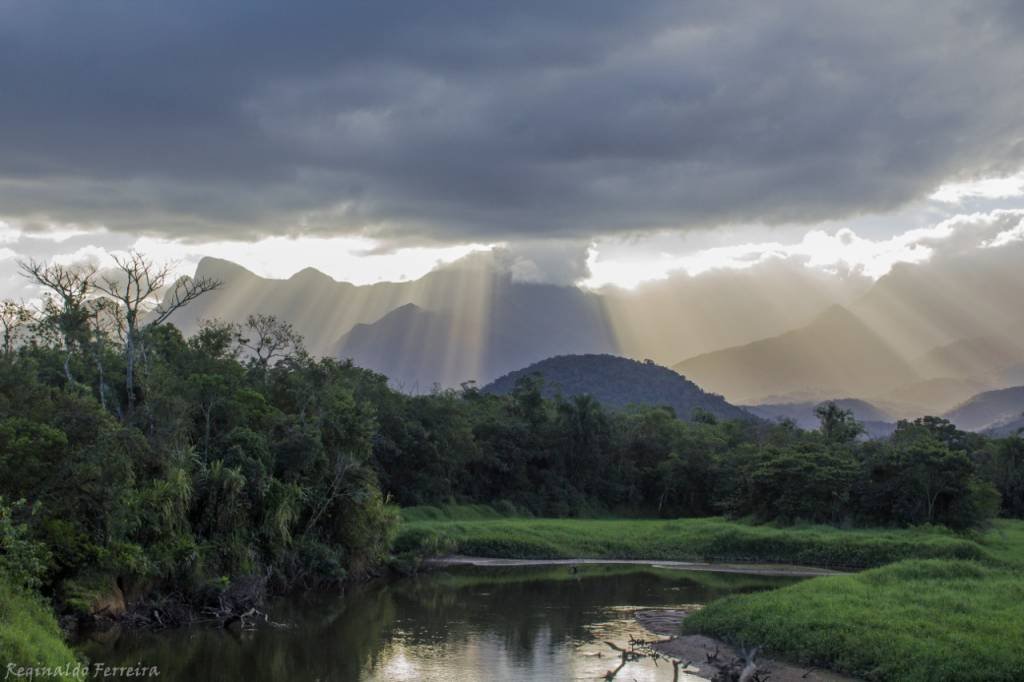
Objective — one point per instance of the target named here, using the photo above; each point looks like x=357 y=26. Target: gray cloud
x=550 y=261
x=465 y=120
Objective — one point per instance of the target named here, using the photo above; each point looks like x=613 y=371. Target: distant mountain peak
x=835 y=354
x=224 y=270
x=311 y=274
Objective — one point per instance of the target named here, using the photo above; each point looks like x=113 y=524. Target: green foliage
x=1002 y=462
x=23 y=561
x=215 y=468
x=618 y=383
x=572 y=457
x=837 y=425
x=791 y=485
x=461 y=512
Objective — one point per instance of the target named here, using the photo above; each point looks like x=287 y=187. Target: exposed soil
x=750 y=569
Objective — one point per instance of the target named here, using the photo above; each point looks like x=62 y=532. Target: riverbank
x=935 y=605
x=702 y=652
x=914 y=620
x=573 y=564
x=712 y=540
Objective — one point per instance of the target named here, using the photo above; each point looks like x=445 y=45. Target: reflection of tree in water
x=524 y=616
x=332 y=640
x=526 y=607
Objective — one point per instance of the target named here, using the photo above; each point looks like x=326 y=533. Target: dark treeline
x=129 y=451
x=572 y=457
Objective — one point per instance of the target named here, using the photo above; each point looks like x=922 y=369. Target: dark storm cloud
x=472 y=120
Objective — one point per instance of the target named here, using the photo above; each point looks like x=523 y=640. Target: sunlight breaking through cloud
x=842 y=251
x=985 y=188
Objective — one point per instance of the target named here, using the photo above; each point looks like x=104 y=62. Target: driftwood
x=741 y=669
x=640 y=649
x=237 y=606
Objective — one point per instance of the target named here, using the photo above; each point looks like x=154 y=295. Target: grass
x=711 y=539
x=29 y=634
x=489 y=576
x=933 y=606
x=914 y=620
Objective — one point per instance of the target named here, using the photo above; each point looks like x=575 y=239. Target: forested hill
x=617 y=382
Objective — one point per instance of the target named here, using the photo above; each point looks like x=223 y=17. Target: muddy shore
x=750 y=569
x=696 y=650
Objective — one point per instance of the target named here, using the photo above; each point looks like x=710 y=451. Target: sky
x=591 y=142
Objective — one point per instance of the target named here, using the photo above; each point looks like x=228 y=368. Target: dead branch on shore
x=741 y=669
x=237 y=607
x=640 y=649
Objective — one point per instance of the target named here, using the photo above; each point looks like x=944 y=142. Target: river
x=460 y=624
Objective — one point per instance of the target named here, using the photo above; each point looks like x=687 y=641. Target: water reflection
x=460 y=625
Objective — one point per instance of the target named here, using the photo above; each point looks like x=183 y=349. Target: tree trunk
x=103 y=391
x=67 y=367
x=129 y=352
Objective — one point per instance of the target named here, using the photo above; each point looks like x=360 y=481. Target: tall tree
x=68 y=288
x=837 y=424
x=14 y=317
x=268 y=339
x=136 y=284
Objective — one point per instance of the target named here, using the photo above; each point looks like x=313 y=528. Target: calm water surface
x=456 y=625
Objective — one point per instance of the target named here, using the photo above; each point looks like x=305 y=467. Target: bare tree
x=343 y=465
x=71 y=286
x=136 y=284
x=268 y=339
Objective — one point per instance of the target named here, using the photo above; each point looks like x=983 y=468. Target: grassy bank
x=711 y=539
x=29 y=634
x=911 y=620
x=914 y=620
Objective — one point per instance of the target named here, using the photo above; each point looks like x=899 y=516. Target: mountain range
x=922 y=339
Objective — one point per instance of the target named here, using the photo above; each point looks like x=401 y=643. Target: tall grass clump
x=29 y=634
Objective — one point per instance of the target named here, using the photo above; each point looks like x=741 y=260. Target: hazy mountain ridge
x=989 y=357
x=617 y=382
x=804 y=416
x=989 y=410
x=320 y=308
x=473 y=321
x=928 y=397
x=942 y=321
x=522 y=324
x=685 y=315
x=877 y=422
x=918 y=341
x=836 y=354
x=955 y=296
